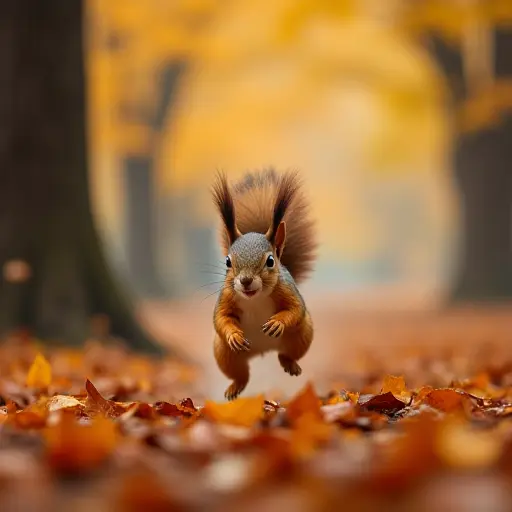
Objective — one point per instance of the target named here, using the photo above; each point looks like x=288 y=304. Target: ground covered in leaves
x=103 y=429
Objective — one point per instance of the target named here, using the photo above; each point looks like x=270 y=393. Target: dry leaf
x=386 y=403
x=242 y=411
x=395 y=385
x=446 y=400
x=40 y=373
x=306 y=401
x=75 y=448
x=96 y=401
x=309 y=433
x=58 y=402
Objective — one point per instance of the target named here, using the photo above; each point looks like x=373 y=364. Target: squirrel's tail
x=259 y=197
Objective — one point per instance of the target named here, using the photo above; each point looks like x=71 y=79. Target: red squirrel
x=268 y=241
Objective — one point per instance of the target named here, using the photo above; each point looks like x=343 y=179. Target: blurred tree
x=147 y=46
x=472 y=43
x=55 y=276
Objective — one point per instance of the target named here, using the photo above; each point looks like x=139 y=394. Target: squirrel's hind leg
x=234 y=365
x=295 y=345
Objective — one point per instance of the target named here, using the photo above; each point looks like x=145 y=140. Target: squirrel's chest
x=254 y=314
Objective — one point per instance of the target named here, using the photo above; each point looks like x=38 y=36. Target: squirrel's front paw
x=273 y=328
x=236 y=341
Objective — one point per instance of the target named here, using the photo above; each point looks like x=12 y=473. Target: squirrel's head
x=253 y=259
x=252 y=265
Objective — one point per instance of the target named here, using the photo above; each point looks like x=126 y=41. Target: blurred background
x=397 y=113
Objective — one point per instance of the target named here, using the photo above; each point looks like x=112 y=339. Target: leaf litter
x=124 y=433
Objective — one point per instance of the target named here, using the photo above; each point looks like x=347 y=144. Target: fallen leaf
x=58 y=402
x=40 y=373
x=305 y=401
x=96 y=401
x=72 y=447
x=385 y=403
x=309 y=433
x=242 y=411
x=446 y=400
x=395 y=385
x=29 y=420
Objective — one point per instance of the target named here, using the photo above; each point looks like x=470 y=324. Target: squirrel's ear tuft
x=225 y=205
x=286 y=191
x=280 y=238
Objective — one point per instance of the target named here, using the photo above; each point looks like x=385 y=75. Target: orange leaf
x=446 y=400
x=106 y=407
x=308 y=433
x=242 y=411
x=395 y=385
x=75 y=448
x=306 y=401
x=40 y=373
x=29 y=419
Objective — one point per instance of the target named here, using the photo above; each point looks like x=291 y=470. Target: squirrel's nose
x=246 y=281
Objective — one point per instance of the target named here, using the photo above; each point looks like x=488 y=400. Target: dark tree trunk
x=482 y=165
x=482 y=173
x=140 y=226
x=45 y=211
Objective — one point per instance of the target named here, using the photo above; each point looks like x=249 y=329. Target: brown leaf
x=167 y=409
x=386 y=403
x=97 y=402
x=306 y=401
x=446 y=400
x=184 y=409
x=29 y=420
x=144 y=411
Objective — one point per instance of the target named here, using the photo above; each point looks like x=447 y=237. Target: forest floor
x=396 y=411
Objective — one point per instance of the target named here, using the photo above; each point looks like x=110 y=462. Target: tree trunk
x=482 y=168
x=46 y=219
x=140 y=192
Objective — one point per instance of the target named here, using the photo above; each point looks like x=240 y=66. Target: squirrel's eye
x=228 y=262
x=270 y=261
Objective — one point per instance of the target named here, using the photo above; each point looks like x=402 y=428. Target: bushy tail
x=255 y=199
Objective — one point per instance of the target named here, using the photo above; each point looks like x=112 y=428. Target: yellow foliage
x=40 y=373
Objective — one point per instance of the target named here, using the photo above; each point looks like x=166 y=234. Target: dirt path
x=343 y=333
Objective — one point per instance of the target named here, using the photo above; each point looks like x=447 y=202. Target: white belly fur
x=255 y=313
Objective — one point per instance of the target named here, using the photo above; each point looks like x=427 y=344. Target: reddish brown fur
x=296 y=339
x=254 y=198
x=258 y=204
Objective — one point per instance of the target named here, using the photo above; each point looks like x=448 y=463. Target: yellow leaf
x=396 y=386
x=243 y=412
x=40 y=373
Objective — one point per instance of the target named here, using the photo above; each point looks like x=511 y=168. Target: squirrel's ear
x=280 y=238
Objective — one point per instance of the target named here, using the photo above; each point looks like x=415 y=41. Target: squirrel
x=268 y=241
